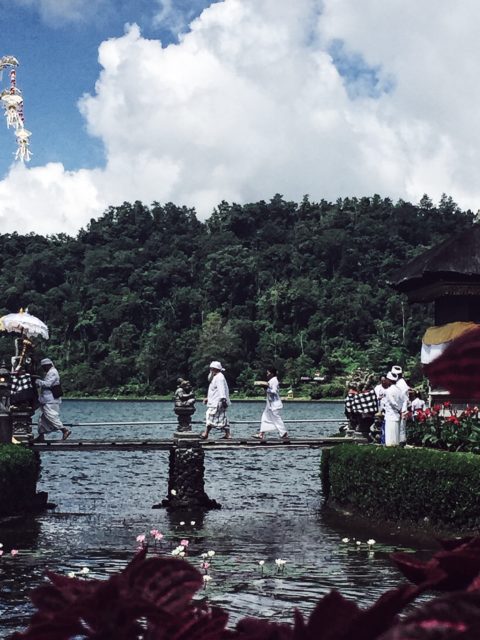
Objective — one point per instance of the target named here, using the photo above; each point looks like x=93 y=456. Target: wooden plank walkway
x=209 y=445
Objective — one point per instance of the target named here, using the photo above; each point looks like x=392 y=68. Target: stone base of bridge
x=186 y=484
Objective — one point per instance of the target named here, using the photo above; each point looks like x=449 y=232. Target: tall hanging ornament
x=13 y=105
x=23 y=152
x=5 y=62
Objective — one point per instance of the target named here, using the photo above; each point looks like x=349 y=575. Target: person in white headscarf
x=404 y=388
x=271 y=418
x=393 y=406
x=217 y=401
x=50 y=399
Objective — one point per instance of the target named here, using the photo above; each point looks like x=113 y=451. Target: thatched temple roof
x=454 y=261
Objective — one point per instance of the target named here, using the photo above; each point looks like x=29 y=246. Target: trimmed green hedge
x=19 y=473
x=405 y=485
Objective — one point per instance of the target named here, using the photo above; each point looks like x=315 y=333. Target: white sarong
x=392 y=431
x=272 y=420
x=216 y=417
x=49 y=419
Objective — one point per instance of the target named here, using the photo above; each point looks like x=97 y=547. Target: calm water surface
x=271 y=503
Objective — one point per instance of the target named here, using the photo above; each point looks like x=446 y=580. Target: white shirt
x=393 y=402
x=380 y=393
x=418 y=404
x=52 y=378
x=273 y=394
x=404 y=389
x=217 y=389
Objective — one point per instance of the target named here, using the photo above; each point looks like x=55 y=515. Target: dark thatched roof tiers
x=451 y=268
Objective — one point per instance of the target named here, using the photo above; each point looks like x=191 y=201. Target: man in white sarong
x=404 y=388
x=271 y=418
x=217 y=401
x=50 y=401
x=393 y=405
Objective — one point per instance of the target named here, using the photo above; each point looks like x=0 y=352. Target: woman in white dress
x=271 y=418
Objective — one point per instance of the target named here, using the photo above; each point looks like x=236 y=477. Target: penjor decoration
x=12 y=101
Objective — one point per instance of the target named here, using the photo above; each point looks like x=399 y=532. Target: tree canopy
x=144 y=295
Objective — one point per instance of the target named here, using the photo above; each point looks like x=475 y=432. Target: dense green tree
x=144 y=295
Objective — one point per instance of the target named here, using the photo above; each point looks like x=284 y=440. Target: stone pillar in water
x=186 y=486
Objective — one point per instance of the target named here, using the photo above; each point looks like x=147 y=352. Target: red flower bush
x=446 y=429
x=153 y=599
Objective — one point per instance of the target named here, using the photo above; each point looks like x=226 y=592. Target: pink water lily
x=141 y=538
x=159 y=536
x=14 y=552
x=184 y=543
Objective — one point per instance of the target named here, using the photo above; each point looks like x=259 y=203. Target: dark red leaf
x=455 y=616
x=381 y=615
x=167 y=583
x=419 y=572
x=208 y=626
x=456 y=369
x=330 y=619
x=254 y=629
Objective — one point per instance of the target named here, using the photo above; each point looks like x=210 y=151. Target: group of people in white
x=218 y=401
x=393 y=394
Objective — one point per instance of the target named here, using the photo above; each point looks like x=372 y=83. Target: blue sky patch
x=361 y=80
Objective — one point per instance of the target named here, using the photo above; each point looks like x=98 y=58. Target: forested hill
x=147 y=294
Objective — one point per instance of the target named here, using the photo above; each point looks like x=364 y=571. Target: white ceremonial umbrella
x=24 y=323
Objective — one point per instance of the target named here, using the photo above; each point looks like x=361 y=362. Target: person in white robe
x=418 y=404
x=271 y=418
x=217 y=401
x=49 y=420
x=393 y=403
x=404 y=388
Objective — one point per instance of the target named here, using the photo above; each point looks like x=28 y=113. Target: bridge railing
x=199 y=422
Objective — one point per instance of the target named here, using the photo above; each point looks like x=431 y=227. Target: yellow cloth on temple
x=447 y=332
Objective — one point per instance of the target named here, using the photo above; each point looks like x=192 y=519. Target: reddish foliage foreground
x=153 y=599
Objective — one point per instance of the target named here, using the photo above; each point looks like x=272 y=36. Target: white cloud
x=48 y=200
x=59 y=12
x=253 y=101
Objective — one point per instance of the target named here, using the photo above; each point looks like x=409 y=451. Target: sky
x=195 y=102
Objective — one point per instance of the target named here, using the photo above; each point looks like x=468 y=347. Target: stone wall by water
x=19 y=473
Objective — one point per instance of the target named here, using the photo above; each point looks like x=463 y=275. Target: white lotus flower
x=370 y=542
x=71 y=574
x=85 y=570
x=206 y=578
x=210 y=554
x=178 y=550
x=173 y=492
x=261 y=562
x=345 y=540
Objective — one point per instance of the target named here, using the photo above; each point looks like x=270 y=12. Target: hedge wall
x=406 y=485
x=19 y=473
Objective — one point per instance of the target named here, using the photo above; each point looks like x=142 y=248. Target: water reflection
x=271 y=509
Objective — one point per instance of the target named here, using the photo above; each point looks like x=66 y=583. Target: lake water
x=271 y=501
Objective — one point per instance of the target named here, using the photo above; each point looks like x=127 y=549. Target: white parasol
x=24 y=323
